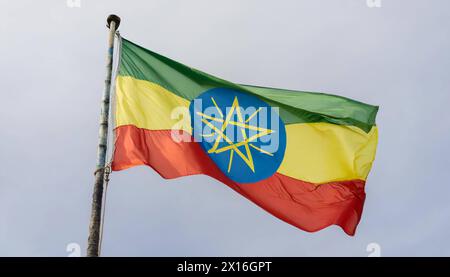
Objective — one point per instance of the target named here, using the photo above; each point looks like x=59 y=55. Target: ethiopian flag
x=303 y=157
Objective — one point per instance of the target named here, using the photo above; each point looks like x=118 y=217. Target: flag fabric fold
x=312 y=177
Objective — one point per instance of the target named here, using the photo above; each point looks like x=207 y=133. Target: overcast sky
x=52 y=61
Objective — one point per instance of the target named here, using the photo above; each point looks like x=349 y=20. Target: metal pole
x=113 y=23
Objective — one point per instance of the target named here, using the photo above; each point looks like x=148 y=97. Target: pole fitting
x=113 y=18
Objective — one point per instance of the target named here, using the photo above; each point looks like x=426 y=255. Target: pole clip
x=106 y=169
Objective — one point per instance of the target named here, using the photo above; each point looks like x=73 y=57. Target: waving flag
x=303 y=157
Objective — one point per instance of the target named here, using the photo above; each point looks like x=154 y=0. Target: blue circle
x=243 y=135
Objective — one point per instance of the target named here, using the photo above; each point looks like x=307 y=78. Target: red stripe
x=308 y=206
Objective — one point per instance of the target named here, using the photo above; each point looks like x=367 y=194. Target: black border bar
x=225 y=265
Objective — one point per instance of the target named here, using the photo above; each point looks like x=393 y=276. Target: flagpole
x=113 y=22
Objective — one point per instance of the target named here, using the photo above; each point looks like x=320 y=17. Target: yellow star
x=234 y=147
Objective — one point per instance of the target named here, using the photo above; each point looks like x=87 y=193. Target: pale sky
x=52 y=65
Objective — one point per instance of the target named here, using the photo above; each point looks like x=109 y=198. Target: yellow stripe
x=149 y=106
x=315 y=152
x=324 y=152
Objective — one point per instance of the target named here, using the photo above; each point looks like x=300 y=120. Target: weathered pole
x=113 y=23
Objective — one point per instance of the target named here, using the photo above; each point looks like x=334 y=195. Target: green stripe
x=295 y=106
